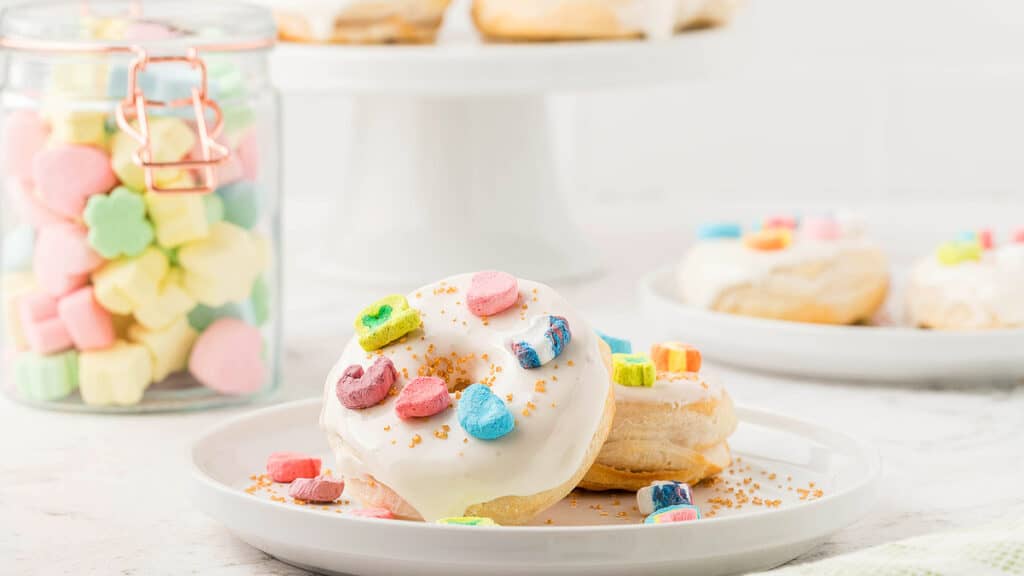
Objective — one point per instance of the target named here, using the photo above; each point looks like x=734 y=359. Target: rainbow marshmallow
x=663 y=494
x=675 y=357
x=543 y=341
x=635 y=370
x=680 y=513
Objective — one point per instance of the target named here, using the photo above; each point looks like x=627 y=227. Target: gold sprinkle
x=539 y=387
x=387 y=427
x=416 y=439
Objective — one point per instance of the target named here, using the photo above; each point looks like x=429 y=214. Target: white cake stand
x=451 y=160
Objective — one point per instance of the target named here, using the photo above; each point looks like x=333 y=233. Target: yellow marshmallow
x=170 y=304
x=85 y=128
x=15 y=286
x=177 y=218
x=168 y=348
x=172 y=140
x=81 y=77
x=222 y=267
x=124 y=285
x=117 y=376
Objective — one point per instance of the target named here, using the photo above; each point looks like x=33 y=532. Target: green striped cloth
x=993 y=550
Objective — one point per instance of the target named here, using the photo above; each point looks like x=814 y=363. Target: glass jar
x=141 y=205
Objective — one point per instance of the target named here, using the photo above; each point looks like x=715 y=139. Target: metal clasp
x=135 y=106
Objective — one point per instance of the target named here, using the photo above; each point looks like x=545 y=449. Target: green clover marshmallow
x=117 y=224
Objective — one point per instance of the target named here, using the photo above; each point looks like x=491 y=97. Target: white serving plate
x=863 y=353
x=581 y=539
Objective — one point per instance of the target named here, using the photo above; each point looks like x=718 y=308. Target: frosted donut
x=676 y=430
x=358 y=21
x=982 y=294
x=840 y=280
x=432 y=468
x=597 y=19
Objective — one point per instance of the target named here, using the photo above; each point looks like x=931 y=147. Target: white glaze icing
x=989 y=289
x=442 y=477
x=669 y=388
x=714 y=266
x=322 y=14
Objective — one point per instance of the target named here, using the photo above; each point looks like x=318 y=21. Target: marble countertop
x=84 y=494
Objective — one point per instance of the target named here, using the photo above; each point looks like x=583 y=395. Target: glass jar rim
x=105 y=26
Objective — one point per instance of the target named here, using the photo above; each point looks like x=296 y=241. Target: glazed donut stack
x=418 y=21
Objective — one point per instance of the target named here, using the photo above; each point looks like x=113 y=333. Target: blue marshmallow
x=663 y=494
x=543 y=341
x=618 y=345
x=241 y=204
x=720 y=231
x=482 y=414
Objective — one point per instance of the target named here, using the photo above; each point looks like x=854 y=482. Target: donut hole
x=461 y=365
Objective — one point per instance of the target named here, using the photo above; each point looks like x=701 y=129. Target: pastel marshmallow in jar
x=520 y=446
x=819 y=270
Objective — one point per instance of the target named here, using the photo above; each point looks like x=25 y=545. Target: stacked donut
x=418 y=21
x=108 y=286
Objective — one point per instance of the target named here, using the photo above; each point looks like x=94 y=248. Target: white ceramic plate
x=875 y=353
x=589 y=534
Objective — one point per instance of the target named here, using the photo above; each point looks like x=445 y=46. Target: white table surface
x=82 y=494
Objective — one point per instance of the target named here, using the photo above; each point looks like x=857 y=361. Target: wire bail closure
x=135 y=106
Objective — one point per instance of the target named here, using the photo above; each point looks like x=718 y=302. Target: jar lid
x=126 y=25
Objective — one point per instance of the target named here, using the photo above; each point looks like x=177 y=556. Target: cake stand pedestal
x=455 y=155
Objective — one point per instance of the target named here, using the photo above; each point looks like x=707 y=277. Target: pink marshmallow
x=358 y=390
x=228 y=357
x=229 y=171
x=322 y=489
x=63 y=258
x=91 y=327
x=1018 y=236
x=43 y=329
x=24 y=135
x=29 y=207
x=787 y=222
x=492 y=292
x=248 y=151
x=285 y=467
x=822 y=228
x=423 y=397
x=67 y=175
x=379 y=513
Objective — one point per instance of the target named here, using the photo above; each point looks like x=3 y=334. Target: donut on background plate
x=822 y=270
x=539 y=20
x=969 y=284
x=480 y=395
x=358 y=21
x=672 y=422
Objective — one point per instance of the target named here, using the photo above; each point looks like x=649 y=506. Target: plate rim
x=866 y=487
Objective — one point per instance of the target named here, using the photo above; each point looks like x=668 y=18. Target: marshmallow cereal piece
x=14 y=287
x=241 y=203
x=46 y=378
x=635 y=370
x=385 y=321
x=358 y=389
x=987 y=238
x=378 y=513
x=322 y=489
x=178 y=218
x=675 y=357
x=483 y=415
x=170 y=303
x=222 y=267
x=959 y=252
x=168 y=347
x=228 y=357
x=117 y=224
x=720 y=231
x=492 y=292
x=44 y=330
x=680 y=513
x=67 y=175
x=202 y=316
x=617 y=345
x=467 y=521
x=172 y=140
x=822 y=228
x=74 y=127
x=1018 y=236
x=781 y=221
x=769 y=239
x=19 y=245
x=423 y=397
x=123 y=285
x=543 y=341
x=117 y=376
x=63 y=258
x=286 y=467
x=663 y=494
x=89 y=324
x=24 y=135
